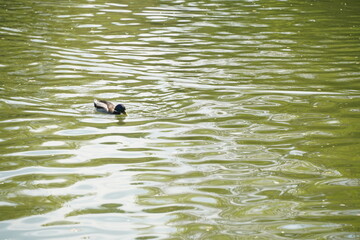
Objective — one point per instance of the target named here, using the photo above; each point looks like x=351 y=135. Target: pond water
x=243 y=119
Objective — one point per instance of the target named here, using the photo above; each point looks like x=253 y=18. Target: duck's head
x=120 y=109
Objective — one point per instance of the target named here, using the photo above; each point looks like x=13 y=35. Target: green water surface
x=243 y=119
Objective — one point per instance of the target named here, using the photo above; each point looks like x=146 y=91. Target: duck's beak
x=125 y=113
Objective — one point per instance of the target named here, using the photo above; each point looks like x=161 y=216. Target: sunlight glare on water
x=243 y=119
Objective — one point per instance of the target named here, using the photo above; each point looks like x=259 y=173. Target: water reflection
x=243 y=120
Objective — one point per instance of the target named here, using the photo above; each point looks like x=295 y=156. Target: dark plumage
x=109 y=107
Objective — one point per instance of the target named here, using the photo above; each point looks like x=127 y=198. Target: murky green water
x=243 y=119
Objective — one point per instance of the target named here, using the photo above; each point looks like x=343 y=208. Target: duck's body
x=109 y=107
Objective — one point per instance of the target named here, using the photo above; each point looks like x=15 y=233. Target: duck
x=109 y=107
